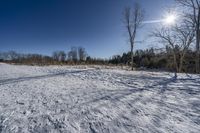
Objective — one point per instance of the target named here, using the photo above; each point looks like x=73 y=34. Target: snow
x=97 y=100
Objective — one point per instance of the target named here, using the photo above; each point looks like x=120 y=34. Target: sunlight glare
x=170 y=19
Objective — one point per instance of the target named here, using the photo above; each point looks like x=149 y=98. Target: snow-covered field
x=81 y=100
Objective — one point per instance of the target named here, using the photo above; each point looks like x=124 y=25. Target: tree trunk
x=198 y=41
x=197 y=52
x=175 y=65
x=132 y=57
x=181 y=61
x=181 y=65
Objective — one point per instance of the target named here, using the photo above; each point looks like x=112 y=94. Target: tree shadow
x=21 y=79
x=116 y=95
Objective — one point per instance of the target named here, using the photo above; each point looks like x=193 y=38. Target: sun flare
x=170 y=19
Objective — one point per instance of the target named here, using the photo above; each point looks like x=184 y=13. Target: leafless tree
x=59 y=56
x=12 y=55
x=178 y=38
x=192 y=13
x=73 y=54
x=55 y=55
x=62 y=56
x=133 y=21
x=82 y=53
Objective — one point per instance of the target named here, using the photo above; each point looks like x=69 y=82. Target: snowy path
x=67 y=99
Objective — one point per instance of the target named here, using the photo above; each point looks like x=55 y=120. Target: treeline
x=26 y=59
x=75 y=56
x=161 y=59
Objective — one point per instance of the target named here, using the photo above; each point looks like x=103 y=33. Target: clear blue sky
x=43 y=26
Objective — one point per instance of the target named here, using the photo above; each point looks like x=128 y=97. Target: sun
x=170 y=19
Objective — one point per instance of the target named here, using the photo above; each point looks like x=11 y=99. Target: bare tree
x=133 y=20
x=12 y=55
x=73 y=54
x=55 y=55
x=192 y=13
x=82 y=53
x=59 y=56
x=62 y=56
x=178 y=38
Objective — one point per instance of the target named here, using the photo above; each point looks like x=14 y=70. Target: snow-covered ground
x=86 y=99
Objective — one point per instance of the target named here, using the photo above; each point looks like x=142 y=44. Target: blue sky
x=44 y=26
